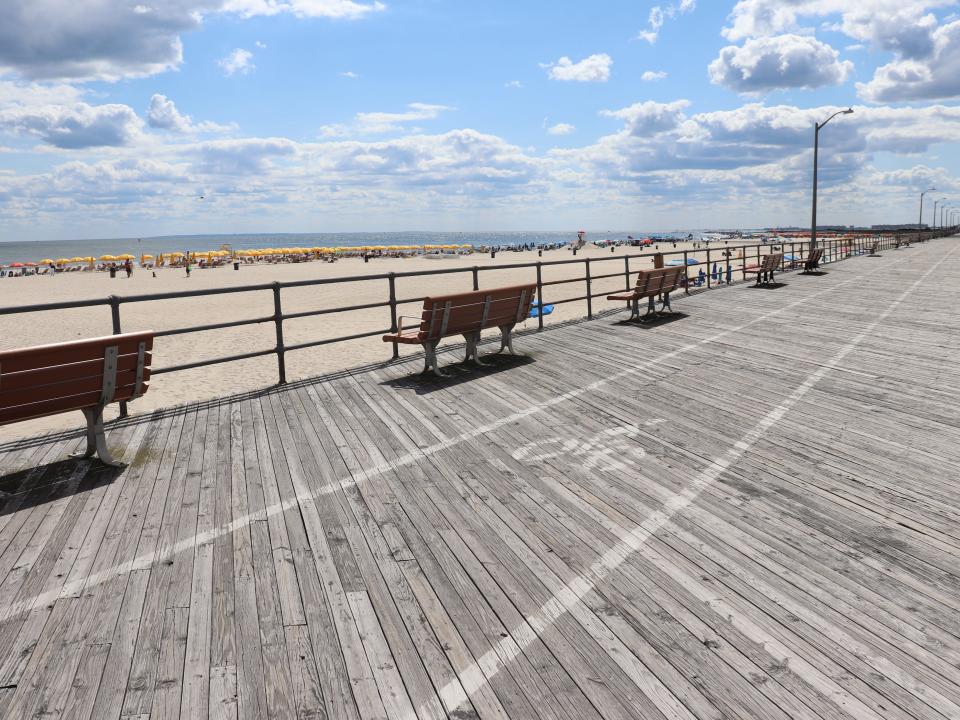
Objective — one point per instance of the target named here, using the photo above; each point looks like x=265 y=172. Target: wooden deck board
x=385 y=545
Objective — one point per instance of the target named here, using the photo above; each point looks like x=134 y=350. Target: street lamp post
x=941 y=201
x=920 y=221
x=816 y=152
x=943 y=207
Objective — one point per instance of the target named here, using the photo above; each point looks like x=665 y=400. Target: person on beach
x=188 y=269
x=128 y=267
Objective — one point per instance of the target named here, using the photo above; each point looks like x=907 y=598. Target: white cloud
x=653 y=76
x=75 y=126
x=162 y=114
x=781 y=61
x=595 y=68
x=260 y=45
x=349 y=74
x=513 y=84
x=654 y=22
x=904 y=27
x=934 y=77
x=561 y=129
x=379 y=123
x=238 y=61
x=650 y=118
x=110 y=40
x=658 y=15
x=336 y=9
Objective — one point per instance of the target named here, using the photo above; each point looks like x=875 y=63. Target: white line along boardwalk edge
x=162 y=554
x=568 y=597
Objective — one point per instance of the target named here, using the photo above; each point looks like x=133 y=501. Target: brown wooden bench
x=651 y=284
x=874 y=247
x=85 y=375
x=766 y=268
x=812 y=261
x=467 y=314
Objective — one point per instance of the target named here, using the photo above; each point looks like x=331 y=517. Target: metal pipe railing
x=832 y=252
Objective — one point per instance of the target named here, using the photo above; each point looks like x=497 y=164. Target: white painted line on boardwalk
x=162 y=554
x=568 y=598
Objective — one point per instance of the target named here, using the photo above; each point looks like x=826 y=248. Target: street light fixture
x=920 y=221
x=816 y=151
x=941 y=201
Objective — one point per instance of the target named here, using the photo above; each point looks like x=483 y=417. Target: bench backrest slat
x=772 y=261
x=473 y=311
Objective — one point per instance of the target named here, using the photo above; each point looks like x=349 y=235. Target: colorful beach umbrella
x=46 y=262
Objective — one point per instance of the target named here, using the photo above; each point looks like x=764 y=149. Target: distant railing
x=834 y=249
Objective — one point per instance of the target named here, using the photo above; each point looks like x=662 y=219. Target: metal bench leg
x=635 y=308
x=430 y=358
x=651 y=307
x=472 y=353
x=506 y=339
x=96 y=439
x=666 y=303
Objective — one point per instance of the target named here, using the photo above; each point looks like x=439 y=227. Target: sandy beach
x=224 y=379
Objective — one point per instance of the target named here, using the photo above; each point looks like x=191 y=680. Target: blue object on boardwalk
x=715 y=278
x=537 y=309
x=678 y=261
x=729 y=274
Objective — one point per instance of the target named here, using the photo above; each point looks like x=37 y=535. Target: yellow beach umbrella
x=125 y=256
x=62 y=261
x=79 y=259
x=46 y=261
x=107 y=257
x=146 y=257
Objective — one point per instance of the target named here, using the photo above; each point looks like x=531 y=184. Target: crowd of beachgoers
x=225 y=256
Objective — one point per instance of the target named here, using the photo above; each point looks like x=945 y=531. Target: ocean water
x=54 y=249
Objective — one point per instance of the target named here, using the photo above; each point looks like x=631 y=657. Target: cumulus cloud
x=349 y=74
x=95 y=39
x=379 y=123
x=237 y=61
x=74 y=126
x=513 y=84
x=935 y=77
x=561 y=129
x=109 y=40
x=595 y=68
x=650 y=118
x=653 y=76
x=162 y=114
x=781 y=61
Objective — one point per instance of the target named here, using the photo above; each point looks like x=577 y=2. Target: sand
x=253 y=374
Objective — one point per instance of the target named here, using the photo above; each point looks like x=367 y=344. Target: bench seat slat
x=12 y=361
x=61 y=373
x=11 y=396
x=61 y=404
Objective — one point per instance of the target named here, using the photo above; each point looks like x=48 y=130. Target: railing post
x=115 y=319
x=626 y=273
x=686 y=270
x=589 y=291
x=540 y=295
x=476 y=278
x=392 y=279
x=709 y=272
x=278 y=320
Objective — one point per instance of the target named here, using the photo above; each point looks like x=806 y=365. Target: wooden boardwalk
x=751 y=511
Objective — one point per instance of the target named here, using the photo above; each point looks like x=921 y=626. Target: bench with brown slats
x=85 y=375
x=811 y=262
x=651 y=284
x=764 y=271
x=466 y=314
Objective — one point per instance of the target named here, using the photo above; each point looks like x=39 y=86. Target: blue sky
x=340 y=115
